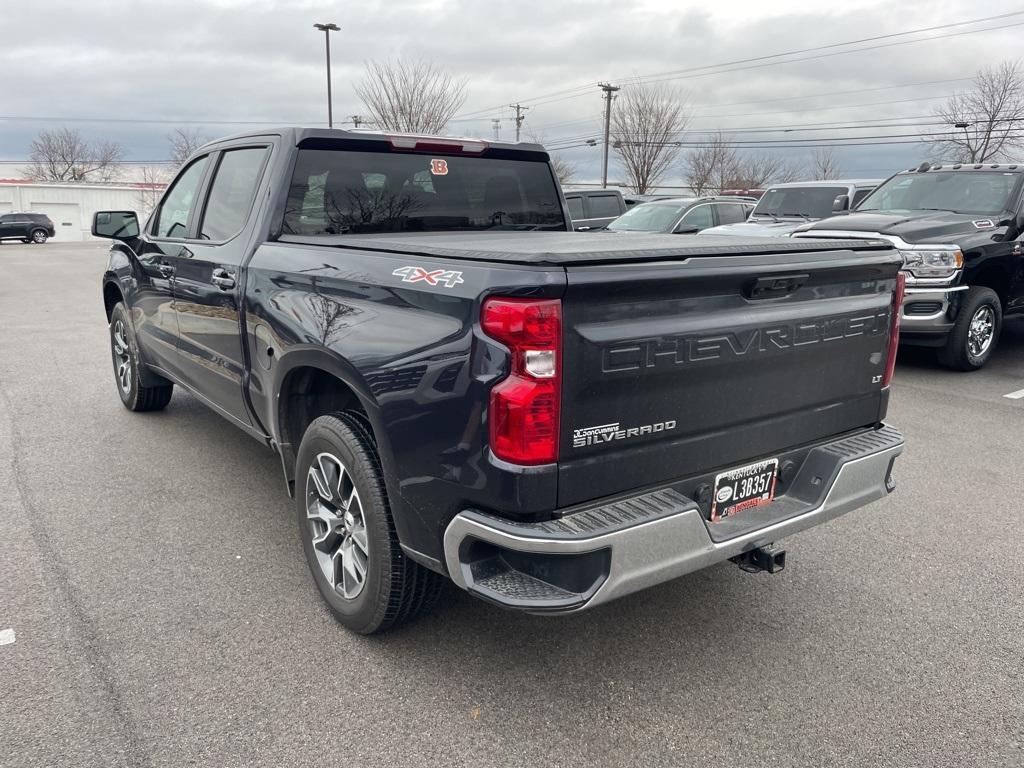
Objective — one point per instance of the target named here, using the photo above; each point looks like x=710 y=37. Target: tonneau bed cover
x=574 y=249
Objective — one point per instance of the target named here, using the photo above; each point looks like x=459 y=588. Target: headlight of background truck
x=932 y=262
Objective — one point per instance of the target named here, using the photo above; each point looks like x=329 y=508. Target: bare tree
x=149 y=189
x=564 y=170
x=414 y=96
x=648 y=121
x=824 y=165
x=718 y=165
x=707 y=165
x=984 y=122
x=185 y=141
x=64 y=155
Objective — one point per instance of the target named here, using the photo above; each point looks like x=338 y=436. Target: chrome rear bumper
x=597 y=554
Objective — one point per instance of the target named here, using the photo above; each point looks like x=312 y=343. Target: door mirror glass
x=687 y=229
x=115 y=225
x=841 y=203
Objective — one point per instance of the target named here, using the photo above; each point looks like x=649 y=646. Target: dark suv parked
x=594 y=208
x=27 y=227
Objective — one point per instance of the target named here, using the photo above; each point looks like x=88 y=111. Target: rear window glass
x=336 y=192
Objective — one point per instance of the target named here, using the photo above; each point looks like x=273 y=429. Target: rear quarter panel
x=413 y=354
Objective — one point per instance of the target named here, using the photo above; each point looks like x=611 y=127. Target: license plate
x=744 y=488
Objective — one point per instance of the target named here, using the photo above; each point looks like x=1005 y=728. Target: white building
x=72 y=205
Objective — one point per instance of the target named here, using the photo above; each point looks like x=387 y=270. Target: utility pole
x=327 y=29
x=609 y=90
x=496 y=121
x=519 y=108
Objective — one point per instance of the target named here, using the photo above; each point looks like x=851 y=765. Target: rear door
x=673 y=369
x=207 y=281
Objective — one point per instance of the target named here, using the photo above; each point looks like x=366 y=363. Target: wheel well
x=997 y=280
x=307 y=393
x=111 y=295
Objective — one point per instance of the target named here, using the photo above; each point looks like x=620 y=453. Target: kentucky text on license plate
x=743 y=488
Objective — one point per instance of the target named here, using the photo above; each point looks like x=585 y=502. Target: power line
x=584 y=89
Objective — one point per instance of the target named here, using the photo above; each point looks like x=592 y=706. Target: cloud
x=263 y=61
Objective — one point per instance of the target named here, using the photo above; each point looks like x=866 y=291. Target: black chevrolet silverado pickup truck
x=459 y=386
x=960 y=229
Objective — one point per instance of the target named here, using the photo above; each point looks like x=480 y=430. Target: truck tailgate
x=677 y=368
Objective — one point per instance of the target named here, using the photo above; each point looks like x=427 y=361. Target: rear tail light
x=894 y=332
x=524 y=407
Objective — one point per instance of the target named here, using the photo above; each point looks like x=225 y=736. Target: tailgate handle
x=774 y=287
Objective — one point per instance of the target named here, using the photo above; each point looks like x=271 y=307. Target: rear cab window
x=347 y=191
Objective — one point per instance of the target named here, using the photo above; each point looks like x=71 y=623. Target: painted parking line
x=1018 y=395
x=6 y=636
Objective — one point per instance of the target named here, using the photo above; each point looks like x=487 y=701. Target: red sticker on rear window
x=439 y=167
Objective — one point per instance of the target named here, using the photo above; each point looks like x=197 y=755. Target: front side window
x=699 y=217
x=232 y=193
x=172 y=215
x=603 y=206
x=575 y=205
x=973 y=192
x=338 y=191
x=799 y=202
x=858 y=196
x=731 y=213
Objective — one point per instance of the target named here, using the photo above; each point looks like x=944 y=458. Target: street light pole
x=327 y=29
x=967 y=138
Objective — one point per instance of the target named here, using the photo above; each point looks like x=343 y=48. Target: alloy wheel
x=39 y=236
x=981 y=331
x=336 y=525
x=122 y=357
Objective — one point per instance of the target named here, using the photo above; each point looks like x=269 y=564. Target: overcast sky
x=211 y=63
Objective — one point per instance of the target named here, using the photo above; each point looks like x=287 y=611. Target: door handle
x=165 y=270
x=223 y=279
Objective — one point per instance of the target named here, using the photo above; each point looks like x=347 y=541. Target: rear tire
x=976 y=333
x=124 y=351
x=347 y=531
x=38 y=236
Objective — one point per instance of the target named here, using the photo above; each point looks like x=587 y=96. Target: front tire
x=974 y=337
x=124 y=352
x=38 y=236
x=347 y=531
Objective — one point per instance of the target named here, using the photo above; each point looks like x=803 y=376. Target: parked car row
x=959 y=228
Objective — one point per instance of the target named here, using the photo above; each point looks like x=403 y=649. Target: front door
x=208 y=284
x=154 y=317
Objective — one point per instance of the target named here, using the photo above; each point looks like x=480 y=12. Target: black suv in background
x=594 y=208
x=27 y=227
x=960 y=229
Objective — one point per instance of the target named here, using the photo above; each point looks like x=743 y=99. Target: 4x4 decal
x=446 y=277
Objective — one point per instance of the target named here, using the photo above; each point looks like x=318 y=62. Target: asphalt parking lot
x=162 y=614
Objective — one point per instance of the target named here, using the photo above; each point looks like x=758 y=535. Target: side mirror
x=841 y=203
x=687 y=229
x=115 y=225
